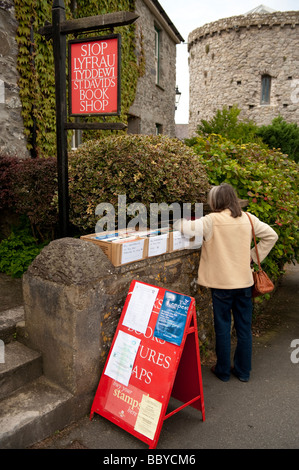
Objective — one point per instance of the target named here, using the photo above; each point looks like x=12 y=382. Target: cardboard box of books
x=128 y=250
x=127 y=246
x=157 y=241
x=120 y=247
x=177 y=241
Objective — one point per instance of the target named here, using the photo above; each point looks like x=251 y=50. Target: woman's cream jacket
x=226 y=250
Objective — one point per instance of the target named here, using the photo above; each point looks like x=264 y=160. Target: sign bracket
x=57 y=31
x=116 y=126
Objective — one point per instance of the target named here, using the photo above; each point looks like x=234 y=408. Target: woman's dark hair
x=224 y=197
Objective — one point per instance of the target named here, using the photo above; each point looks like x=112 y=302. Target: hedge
x=268 y=179
x=282 y=135
x=27 y=188
x=147 y=169
x=144 y=168
x=157 y=169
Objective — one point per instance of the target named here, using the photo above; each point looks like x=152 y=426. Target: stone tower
x=251 y=61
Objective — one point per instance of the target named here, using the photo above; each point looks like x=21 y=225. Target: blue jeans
x=239 y=303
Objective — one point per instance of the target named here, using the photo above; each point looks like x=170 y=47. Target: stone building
x=12 y=138
x=153 y=110
x=251 y=61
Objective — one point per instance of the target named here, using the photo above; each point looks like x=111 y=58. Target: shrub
x=278 y=135
x=8 y=167
x=144 y=168
x=35 y=184
x=226 y=122
x=268 y=179
x=282 y=135
x=18 y=250
x=27 y=188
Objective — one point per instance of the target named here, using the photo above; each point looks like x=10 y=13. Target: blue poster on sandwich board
x=172 y=317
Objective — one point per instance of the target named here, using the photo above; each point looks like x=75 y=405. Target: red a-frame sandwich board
x=161 y=370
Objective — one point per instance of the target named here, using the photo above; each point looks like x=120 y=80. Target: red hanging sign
x=94 y=76
x=154 y=355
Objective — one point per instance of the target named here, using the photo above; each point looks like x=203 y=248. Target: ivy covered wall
x=36 y=65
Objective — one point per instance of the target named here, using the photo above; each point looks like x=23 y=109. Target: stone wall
x=73 y=299
x=227 y=59
x=12 y=139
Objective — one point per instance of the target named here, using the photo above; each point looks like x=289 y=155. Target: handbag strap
x=257 y=253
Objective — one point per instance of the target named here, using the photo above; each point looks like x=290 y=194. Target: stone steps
x=9 y=319
x=31 y=406
x=32 y=413
x=22 y=365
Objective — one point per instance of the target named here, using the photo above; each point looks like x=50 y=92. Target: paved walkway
x=260 y=414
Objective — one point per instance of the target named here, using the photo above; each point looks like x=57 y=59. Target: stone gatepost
x=73 y=298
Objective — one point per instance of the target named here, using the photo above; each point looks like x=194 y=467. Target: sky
x=188 y=15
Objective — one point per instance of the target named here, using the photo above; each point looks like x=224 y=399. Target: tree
x=226 y=123
x=282 y=135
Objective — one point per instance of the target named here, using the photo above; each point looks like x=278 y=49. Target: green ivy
x=35 y=65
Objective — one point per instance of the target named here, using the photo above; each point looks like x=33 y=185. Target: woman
x=225 y=267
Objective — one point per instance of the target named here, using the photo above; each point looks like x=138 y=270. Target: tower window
x=266 y=88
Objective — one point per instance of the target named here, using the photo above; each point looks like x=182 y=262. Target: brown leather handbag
x=262 y=283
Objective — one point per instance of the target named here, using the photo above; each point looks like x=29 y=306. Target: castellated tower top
x=252 y=19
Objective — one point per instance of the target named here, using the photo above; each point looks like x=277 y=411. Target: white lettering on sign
x=95 y=48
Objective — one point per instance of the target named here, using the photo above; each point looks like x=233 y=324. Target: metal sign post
x=59 y=49
x=57 y=31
